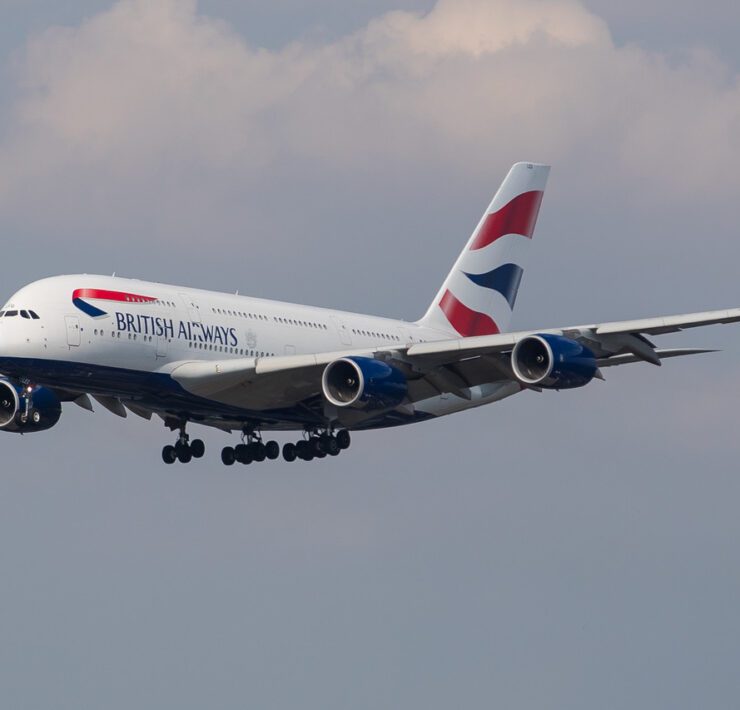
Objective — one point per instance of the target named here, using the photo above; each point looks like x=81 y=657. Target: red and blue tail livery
x=478 y=296
x=243 y=366
x=81 y=298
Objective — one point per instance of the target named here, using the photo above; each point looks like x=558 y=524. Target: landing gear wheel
x=320 y=454
x=258 y=451
x=304 y=450
x=272 y=450
x=322 y=443
x=168 y=454
x=343 y=439
x=317 y=446
x=35 y=416
x=184 y=455
x=197 y=448
x=289 y=452
x=227 y=456
x=243 y=453
x=332 y=447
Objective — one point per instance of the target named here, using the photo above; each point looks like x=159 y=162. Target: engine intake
x=363 y=383
x=553 y=362
x=24 y=411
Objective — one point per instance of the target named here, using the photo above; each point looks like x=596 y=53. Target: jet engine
x=363 y=383
x=553 y=362
x=27 y=409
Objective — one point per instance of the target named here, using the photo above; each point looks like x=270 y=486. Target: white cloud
x=152 y=108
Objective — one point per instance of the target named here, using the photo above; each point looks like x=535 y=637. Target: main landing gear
x=251 y=449
x=318 y=444
x=184 y=450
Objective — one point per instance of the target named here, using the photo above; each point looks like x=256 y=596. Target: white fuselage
x=144 y=327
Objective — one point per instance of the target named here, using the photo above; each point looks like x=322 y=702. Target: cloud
x=151 y=128
x=150 y=94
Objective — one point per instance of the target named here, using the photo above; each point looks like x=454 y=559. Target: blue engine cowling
x=363 y=383
x=27 y=409
x=553 y=362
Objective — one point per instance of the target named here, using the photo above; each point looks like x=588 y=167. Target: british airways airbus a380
x=248 y=365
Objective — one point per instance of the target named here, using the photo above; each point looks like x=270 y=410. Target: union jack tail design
x=478 y=295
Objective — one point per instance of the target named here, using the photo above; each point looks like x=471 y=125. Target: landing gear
x=184 y=450
x=319 y=444
x=252 y=449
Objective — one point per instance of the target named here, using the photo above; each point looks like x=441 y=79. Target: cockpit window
x=24 y=314
x=10 y=314
x=34 y=315
x=2 y=313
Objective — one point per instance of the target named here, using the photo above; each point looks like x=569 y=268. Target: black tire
x=319 y=454
x=343 y=439
x=243 y=453
x=34 y=416
x=317 y=446
x=227 y=456
x=304 y=450
x=168 y=454
x=197 y=448
x=323 y=443
x=272 y=450
x=258 y=451
x=289 y=453
x=332 y=447
x=184 y=455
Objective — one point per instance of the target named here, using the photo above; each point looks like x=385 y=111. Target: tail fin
x=478 y=295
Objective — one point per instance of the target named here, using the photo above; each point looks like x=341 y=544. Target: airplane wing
x=434 y=367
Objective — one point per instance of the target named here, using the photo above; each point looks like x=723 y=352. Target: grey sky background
x=570 y=550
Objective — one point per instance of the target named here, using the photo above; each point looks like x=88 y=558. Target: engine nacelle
x=553 y=362
x=363 y=383
x=25 y=410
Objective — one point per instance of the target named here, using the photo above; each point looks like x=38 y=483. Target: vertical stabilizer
x=478 y=295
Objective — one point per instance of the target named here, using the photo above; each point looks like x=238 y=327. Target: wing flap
x=627 y=358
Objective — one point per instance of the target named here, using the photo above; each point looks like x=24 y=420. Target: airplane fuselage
x=116 y=337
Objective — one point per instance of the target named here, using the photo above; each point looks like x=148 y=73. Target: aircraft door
x=73 y=331
x=162 y=345
x=192 y=306
x=343 y=331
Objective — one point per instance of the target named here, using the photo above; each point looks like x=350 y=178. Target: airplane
x=248 y=365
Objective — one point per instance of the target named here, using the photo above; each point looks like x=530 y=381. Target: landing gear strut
x=184 y=450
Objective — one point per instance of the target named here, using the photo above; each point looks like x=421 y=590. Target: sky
x=556 y=550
